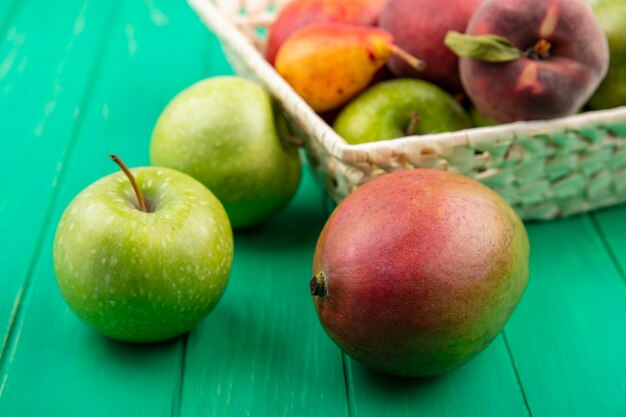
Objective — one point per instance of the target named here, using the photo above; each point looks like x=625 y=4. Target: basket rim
x=225 y=28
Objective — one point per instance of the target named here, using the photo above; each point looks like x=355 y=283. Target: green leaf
x=490 y=48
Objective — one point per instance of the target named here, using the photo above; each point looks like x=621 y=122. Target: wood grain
x=49 y=62
x=8 y=10
x=485 y=386
x=263 y=351
x=568 y=336
x=611 y=223
x=54 y=365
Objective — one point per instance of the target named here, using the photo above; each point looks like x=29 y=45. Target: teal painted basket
x=545 y=169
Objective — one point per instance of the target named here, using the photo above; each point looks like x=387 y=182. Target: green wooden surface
x=89 y=78
x=48 y=62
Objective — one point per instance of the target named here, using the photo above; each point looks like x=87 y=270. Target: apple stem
x=414 y=119
x=414 y=62
x=131 y=178
x=318 y=285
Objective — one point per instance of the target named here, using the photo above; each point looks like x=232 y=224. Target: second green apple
x=397 y=108
x=222 y=131
x=612 y=92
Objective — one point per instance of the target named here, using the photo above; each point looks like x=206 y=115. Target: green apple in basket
x=397 y=108
x=143 y=257
x=224 y=131
x=612 y=17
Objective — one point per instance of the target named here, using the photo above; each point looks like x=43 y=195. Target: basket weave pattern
x=544 y=169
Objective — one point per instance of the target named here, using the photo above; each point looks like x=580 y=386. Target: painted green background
x=80 y=79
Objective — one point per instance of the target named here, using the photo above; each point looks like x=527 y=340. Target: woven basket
x=544 y=169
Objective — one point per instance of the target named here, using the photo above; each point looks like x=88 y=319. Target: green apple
x=397 y=108
x=479 y=119
x=143 y=276
x=222 y=131
x=612 y=92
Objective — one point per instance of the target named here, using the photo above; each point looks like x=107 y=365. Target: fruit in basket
x=417 y=271
x=300 y=13
x=419 y=27
x=479 y=119
x=531 y=59
x=400 y=107
x=329 y=63
x=612 y=92
x=143 y=272
x=223 y=131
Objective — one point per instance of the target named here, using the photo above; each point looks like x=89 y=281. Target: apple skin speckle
x=124 y=271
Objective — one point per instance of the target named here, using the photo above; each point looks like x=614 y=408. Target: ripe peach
x=565 y=57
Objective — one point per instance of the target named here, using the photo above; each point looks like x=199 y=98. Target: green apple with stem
x=397 y=108
x=143 y=255
x=224 y=131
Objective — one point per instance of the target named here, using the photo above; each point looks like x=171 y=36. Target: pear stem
x=318 y=285
x=131 y=178
x=413 y=61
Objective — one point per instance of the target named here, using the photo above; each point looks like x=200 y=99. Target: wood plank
x=486 y=386
x=48 y=59
x=54 y=364
x=568 y=336
x=611 y=224
x=8 y=9
x=263 y=351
